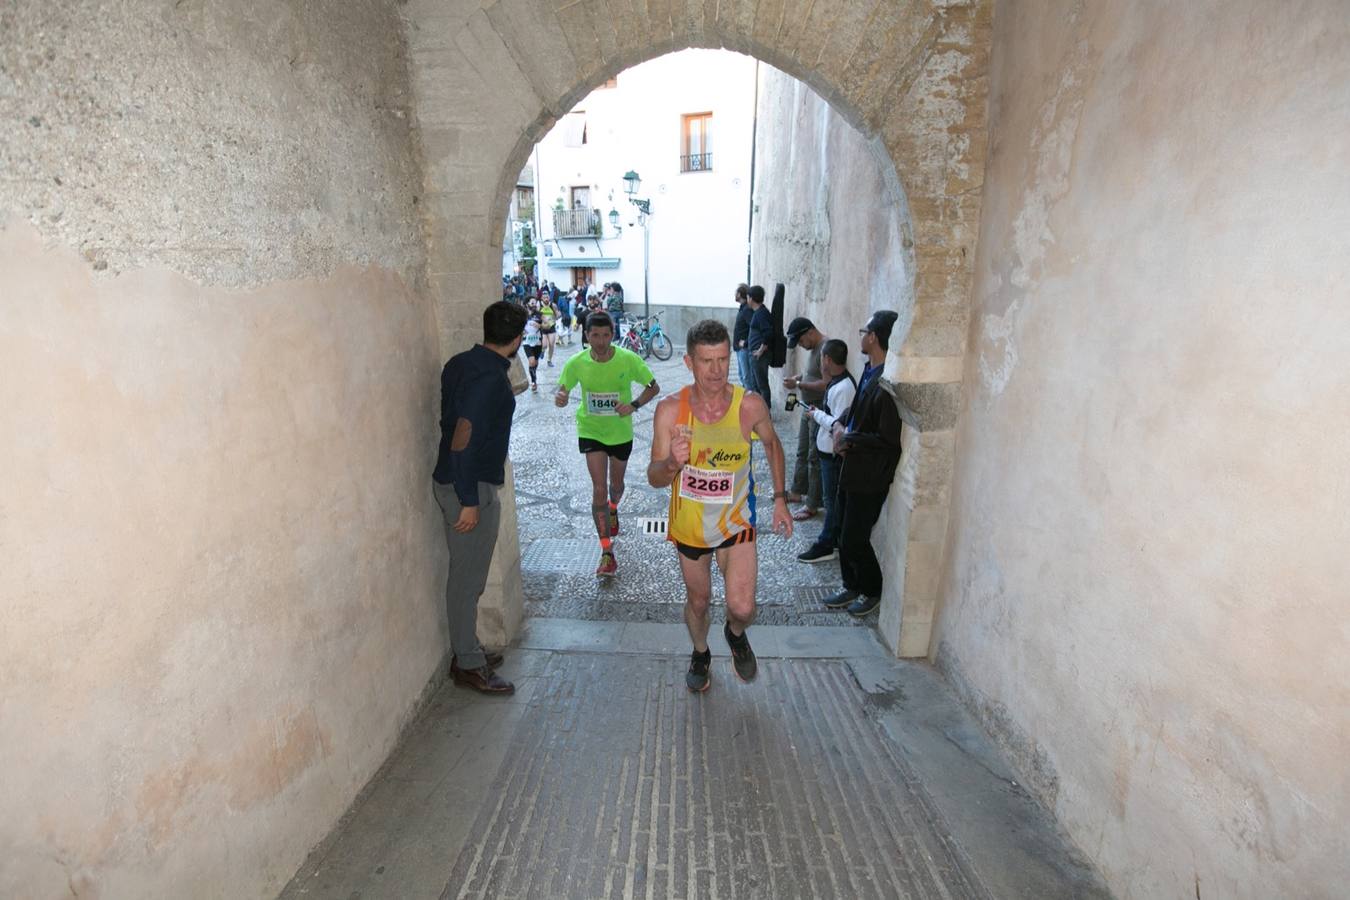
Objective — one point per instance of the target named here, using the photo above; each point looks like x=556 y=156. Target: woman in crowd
x=548 y=325
x=533 y=348
x=565 y=320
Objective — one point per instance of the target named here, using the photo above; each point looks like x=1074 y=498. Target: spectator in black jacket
x=869 y=442
x=476 y=408
x=740 y=337
x=760 y=342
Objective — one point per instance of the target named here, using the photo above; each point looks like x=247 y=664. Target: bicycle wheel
x=661 y=346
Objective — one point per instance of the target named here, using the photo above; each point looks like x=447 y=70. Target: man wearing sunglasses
x=868 y=440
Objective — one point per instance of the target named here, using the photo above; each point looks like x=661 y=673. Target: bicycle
x=645 y=336
x=631 y=339
x=657 y=343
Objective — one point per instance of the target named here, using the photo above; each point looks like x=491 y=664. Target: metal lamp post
x=631 y=182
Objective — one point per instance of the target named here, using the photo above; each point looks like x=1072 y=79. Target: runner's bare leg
x=739 y=564
x=617 y=469
x=697 y=596
x=597 y=462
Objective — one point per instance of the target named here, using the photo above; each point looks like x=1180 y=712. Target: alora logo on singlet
x=720 y=457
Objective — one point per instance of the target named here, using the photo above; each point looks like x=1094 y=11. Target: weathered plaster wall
x=1147 y=588
x=222 y=564
x=832 y=224
x=828 y=223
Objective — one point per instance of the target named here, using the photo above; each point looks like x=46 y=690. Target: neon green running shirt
x=604 y=386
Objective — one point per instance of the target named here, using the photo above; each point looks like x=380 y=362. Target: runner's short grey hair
x=708 y=332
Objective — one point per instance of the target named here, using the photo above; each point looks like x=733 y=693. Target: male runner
x=701 y=449
x=604 y=421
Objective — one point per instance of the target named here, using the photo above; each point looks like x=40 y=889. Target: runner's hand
x=782 y=519
x=560 y=398
x=679 y=447
x=625 y=409
x=468 y=519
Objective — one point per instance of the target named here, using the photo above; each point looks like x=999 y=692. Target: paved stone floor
x=783 y=789
x=839 y=772
x=559 y=550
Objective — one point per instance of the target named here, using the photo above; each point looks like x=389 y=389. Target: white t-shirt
x=838 y=399
x=532 y=334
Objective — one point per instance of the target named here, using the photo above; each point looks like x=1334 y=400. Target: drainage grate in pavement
x=811 y=599
x=619 y=783
x=551 y=556
x=655 y=525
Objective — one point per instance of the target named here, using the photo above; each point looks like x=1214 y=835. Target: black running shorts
x=697 y=553
x=621 y=452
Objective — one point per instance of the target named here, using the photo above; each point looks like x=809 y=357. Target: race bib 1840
x=706 y=485
x=602 y=404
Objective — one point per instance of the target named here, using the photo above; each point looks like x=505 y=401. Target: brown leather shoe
x=493 y=659
x=483 y=680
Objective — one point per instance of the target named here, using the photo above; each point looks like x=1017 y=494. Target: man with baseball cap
x=802 y=332
x=869 y=442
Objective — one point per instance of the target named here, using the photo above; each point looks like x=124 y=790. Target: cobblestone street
x=559 y=549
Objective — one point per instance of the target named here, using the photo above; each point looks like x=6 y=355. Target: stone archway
x=490 y=80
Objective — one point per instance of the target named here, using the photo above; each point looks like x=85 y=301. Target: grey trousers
x=806 y=472
x=470 y=558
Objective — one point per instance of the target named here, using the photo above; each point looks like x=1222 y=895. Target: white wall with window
x=685 y=123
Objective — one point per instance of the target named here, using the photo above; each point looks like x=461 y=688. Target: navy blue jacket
x=741 y=333
x=761 y=328
x=475 y=386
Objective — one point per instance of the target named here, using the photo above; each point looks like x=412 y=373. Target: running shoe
x=817 y=554
x=697 y=678
x=608 y=564
x=742 y=657
x=863 y=606
x=613 y=523
x=842 y=599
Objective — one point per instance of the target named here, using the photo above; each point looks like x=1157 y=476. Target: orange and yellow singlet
x=712 y=499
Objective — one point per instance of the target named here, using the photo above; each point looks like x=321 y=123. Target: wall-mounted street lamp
x=614 y=220
x=632 y=181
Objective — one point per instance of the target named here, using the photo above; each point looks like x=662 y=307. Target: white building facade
x=684 y=123
x=520 y=238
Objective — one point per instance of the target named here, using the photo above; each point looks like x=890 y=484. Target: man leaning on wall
x=869 y=442
x=477 y=403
